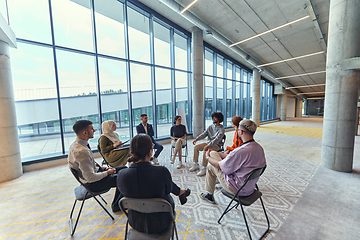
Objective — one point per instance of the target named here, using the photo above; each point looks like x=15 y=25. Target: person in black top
x=177 y=135
x=145 y=180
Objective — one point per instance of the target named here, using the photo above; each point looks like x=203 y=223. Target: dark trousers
x=106 y=183
x=158 y=148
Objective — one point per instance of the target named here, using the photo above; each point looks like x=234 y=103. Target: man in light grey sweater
x=215 y=133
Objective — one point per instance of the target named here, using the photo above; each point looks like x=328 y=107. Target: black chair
x=183 y=147
x=223 y=141
x=81 y=194
x=248 y=200
x=149 y=205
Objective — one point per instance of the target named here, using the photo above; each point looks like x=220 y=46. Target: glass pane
x=228 y=102
x=141 y=93
x=180 y=52
x=77 y=93
x=245 y=101
x=72 y=24
x=139 y=39
x=229 y=71
x=219 y=67
x=161 y=45
x=208 y=97
x=219 y=95
x=110 y=27
x=3 y=10
x=181 y=87
x=209 y=67
x=35 y=101
x=237 y=98
x=30 y=19
x=163 y=101
x=114 y=98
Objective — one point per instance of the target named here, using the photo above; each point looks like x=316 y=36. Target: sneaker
x=202 y=172
x=155 y=161
x=218 y=185
x=172 y=161
x=208 y=197
x=180 y=165
x=194 y=168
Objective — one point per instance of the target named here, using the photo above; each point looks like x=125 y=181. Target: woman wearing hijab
x=108 y=142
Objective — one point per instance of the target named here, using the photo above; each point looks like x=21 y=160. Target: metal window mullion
x=248 y=95
x=172 y=63
x=128 y=75
x=189 y=84
x=153 y=84
x=214 y=83
x=56 y=78
x=261 y=100
x=241 y=96
x=224 y=108
x=96 y=63
x=233 y=91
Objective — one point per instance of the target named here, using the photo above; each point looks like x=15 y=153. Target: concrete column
x=10 y=158
x=357 y=121
x=283 y=107
x=278 y=105
x=255 y=92
x=298 y=110
x=198 y=85
x=342 y=84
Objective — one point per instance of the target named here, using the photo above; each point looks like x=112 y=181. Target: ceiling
x=231 y=21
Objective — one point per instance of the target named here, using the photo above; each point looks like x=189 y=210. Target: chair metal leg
x=72 y=229
x=267 y=219
x=227 y=209
x=247 y=226
x=103 y=199
x=104 y=208
x=126 y=229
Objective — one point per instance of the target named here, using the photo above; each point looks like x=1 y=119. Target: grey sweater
x=214 y=134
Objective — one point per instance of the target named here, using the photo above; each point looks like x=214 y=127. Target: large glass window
x=163 y=101
x=110 y=28
x=141 y=95
x=208 y=63
x=28 y=25
x=35 y=101
x=114 y=98
x=78 y=93
x=161 y=45
x=180 y=52
x=139 y=39
x=72 y=24
x=181 y=93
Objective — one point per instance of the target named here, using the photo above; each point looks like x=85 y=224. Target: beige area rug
x=37 y=205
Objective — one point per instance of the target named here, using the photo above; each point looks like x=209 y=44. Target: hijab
x=107 y=132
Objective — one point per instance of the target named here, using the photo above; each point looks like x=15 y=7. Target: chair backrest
x=76 y=174
x=146 y=205
x=255 y=173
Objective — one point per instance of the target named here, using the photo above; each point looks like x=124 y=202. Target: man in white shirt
x=81 y=158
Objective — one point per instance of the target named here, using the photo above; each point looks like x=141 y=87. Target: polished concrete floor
x=303 y=199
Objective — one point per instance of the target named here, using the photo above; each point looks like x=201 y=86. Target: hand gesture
x=111 y=171
x=206 y=148
x=194 y=142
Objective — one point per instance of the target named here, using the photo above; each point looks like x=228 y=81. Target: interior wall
x=290 y=111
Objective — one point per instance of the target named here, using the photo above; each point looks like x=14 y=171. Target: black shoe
x=208 y=197
x=183 y=197
x=115 y=208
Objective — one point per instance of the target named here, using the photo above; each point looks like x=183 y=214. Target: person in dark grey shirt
x=177 y=135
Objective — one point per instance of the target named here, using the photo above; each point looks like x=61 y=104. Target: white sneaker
x=194 y=168
x=202 y=172
x=180 y=165
x=155 y=161
x=172 y=161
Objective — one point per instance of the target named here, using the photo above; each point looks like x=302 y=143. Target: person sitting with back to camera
x=108 y=142
x=177 y=135
x=215 y=133
x=237 y=140
x=144 y=180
